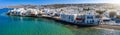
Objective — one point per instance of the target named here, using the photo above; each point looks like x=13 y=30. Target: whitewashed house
x=68 y=17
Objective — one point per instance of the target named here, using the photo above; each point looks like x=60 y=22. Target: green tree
x=112 y=14
x=118 y=16
x=100 y=12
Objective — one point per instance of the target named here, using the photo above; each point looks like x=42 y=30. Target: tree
x=112 y=14
x=118 y=16
x=86 y=9
x=100 y=12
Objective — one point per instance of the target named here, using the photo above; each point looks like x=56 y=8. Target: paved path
x=116 y=27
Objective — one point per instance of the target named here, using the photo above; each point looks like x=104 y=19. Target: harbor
x=16 y=25
x=80 y=19
x=59 y=17
x=87 y=15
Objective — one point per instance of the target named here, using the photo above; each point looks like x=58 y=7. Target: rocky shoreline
x=114 y=27
x=64 y=8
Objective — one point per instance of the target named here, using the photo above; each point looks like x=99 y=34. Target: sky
x=41 y=2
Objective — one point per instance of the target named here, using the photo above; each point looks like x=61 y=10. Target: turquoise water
x=14 y=25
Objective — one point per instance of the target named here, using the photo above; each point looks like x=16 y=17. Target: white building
x=86 y=19
x=31 y=12
x=18 y=11
x=68 y=17
x=92 y=19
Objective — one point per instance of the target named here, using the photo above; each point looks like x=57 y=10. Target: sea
x=16 y=25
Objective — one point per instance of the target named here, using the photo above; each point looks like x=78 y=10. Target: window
x=90 y=17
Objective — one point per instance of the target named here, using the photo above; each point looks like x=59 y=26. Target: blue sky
x=39 y=2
